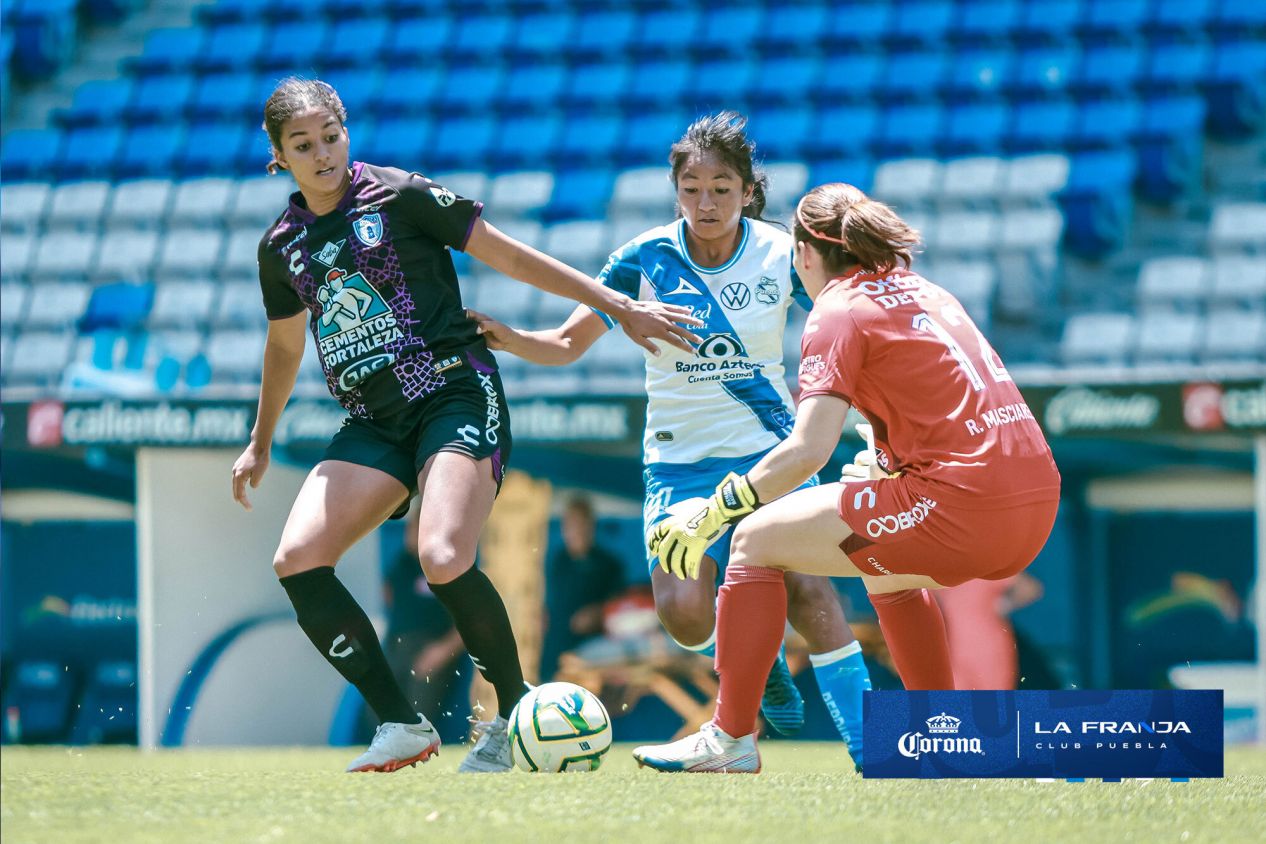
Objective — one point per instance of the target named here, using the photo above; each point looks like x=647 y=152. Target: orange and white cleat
x=396 y=746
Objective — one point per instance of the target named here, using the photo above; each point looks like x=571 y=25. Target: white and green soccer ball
x=559 y=727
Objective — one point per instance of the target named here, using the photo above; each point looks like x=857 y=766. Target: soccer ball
x=559 y=727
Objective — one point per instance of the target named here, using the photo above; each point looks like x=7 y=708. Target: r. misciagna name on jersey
x=377 y=278
x=728 y=398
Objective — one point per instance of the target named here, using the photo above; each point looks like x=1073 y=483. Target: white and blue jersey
x=722 y=406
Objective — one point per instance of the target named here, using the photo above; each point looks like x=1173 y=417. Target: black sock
x=343 y=634
x=481 y=619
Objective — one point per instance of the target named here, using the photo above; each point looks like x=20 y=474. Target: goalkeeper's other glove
x=680 y=542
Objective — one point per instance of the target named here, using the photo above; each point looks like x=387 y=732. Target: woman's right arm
x=283 y=352
x=551 y=347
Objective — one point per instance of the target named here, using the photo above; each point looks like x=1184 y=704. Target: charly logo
x=443 y=195
x=943 y=738
x=736 y=296
x=767 y=291
x=368 y=229
x=329 y=253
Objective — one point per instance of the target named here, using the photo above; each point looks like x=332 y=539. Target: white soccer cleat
x=396 y=745
x=711 y=750
x=491 y=753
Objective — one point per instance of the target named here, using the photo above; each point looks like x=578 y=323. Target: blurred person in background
x=963 y=485
x=580 y=577
x=721 y=407
x=982 y=640
x=426 y=408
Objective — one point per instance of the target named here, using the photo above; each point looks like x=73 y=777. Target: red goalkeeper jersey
x=904 y=352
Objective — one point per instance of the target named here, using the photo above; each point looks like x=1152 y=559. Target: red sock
x=751 y=617
x=915 y=632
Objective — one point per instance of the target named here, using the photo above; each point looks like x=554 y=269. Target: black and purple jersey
x=376 y=275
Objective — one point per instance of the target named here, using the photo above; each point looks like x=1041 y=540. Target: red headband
x=800 y=219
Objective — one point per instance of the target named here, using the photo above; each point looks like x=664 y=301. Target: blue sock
x=842 y=677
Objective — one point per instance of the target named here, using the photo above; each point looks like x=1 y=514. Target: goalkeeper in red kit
x=965 y=486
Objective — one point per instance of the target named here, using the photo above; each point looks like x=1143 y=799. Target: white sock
x=820 y=660
x=702 y=646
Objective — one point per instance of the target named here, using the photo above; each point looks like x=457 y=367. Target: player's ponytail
x=724 y=136
x=292 y=96
x=850 y=229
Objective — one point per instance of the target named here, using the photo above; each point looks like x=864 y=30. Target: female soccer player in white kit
x=722 y=407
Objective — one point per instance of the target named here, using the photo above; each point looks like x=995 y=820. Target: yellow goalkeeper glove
x=681 y=541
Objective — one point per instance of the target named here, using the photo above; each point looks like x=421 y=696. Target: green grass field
x=120 y=796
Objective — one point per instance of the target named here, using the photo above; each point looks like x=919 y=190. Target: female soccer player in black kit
x=360 y=259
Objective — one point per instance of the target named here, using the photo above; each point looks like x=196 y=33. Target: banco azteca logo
x=943 y=738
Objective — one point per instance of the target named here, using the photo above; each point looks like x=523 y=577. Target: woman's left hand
x=647 y=321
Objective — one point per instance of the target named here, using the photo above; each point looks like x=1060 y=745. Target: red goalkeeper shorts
x=899 y=528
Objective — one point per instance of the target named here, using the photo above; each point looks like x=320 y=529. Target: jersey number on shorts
x=955 y=316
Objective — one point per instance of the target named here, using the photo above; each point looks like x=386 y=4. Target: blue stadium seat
x=913 y=74
x=412 y=41
x=118 y=306
x=1049 y=21
x=781 y=131
x=220 y=150
x=722 y=83
x=599 y=83
x=232 y=46
x=534 y=85
x=395 y=141
x=90 y=151
x=481 y=35
x=590 y=137
x=462 y=142
x=98 y=101
x=1185 y=17
x=659 y=81
x=1097 y=202
x=602 y=32
x=1170 y=146
x=848 y=77
x=973 y=128
x=729 y=29
x=979 y=72
x=844 y=131
x=1107 y=122
x=355 y=40
x=910 y=130
x=1109 y=68
x=297 y=10
x=1178 y=66
x=226 y=11
x=1236 y=18
x=37 y=703
x=922 y=22
x=1046 y=70
x=580 y=194
x=670 y=31
x=358 y=89
x=151 y=150
x=792 y=29
x=352 y=9
x=1114 y=19
x=472 y=88
x=1237 y=89
x=543 y=34
x=170 y=49
x=44 y=36
x=411 y=91
x=107 y=710
x=6 y=54
x=526 y=140
x=231 y=95
x=859 y=172
x=986 y=20
x=1041 y=125
x=649 y=134
x=296 y=46
x=161 y=98
x=29 y=153
x=857 y=23
x=785 y=78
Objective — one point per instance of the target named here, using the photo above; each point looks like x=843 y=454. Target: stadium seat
x=90 y=151
x=843 y=130
x=150 y=150
x=1045 y=70
x=537 y=85
x=718 y=83
x=411 y=42
x=1237 y=89
x=1234 y=335
x=645 y=189
x=463 y=142
x=649 y=135
x=971 y=282
x=168 y=50
x=597 y=83
x=730 y=29
x=13 y=298
x=527 y=140
x=1032 y=229
x=1238 y=226
x=922 y=22
x=853 y=24
x=140 y=203
x=77 y=205
x=1173 y=282
x=1107 y=122
x=1239 y=280
x=481 y=35
x=659 y=82
x=241 y=254
x=121 y=305
x=584 y=244
x=30 y=153
x=979 y=72
x=472 y=88
x=98 y=101
x=353 y=41
x=295 y=46
x=523 y=193
x=189 y=252
x=972 y=179
x=46 y=35
x=39 y=698
x=161 y=98
x=176 y=347
x=470 y=184
x=1035 y=177
x=788 y=181
x=792 y=29
x=202 y=200
x=16 y=251
x=975 y=128
x=913 y=74
x=1109 y=69
x=1180 y=66
x=1097 y=201
x=237 y=305
x=1106 y=20
x=221 y=149
x=964 y=233
x=107 y=709
x=1097 y=338
x=395 y=141
x=523 y=230
x=668 y=32
x=261 y=200
x=785 y=79
x=1048 y=21
x=410 y=91
x=1180 y=17
x=1239 y=16
x=851 y=77
x=780 y=132
x=589 y=137
x=580 y=194
x=231 y=95
x=603 y=31
x=1167 y=337
x=232 y=46
x=1042 y=125
x=126 y=255
x=543 y=34
x=182 y=304
x=235 y=355
x=22 y=205
x=67 y=255
x=908 y=182
x=504 y=298
x=1170 y=146
x=38 y=357
x=986 y=21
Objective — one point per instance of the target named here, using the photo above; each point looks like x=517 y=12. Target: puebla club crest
x=368 y=229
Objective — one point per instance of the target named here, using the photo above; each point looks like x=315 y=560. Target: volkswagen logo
x=736 y=296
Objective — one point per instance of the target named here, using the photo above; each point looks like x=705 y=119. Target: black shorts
x=467 y=416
